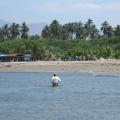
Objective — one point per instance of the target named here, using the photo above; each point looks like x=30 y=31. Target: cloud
x=112 y=7
x=74 y=8
x=63 y=10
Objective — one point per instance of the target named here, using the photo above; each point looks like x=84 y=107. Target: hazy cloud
x=64 y=10
x=69 y=8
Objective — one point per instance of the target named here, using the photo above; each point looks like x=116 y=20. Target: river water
x=81 y=96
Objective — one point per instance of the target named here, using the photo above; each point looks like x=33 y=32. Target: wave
x=105 y=75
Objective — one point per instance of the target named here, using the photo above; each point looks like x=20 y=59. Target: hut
x=15 y=57
x=2 y=57
x=23 y=57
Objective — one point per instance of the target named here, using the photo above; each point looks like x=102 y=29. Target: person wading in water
x=55 y=80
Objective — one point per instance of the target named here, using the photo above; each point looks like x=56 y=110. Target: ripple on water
x=81 y=96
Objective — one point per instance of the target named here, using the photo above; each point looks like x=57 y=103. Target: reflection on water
x=105 y=74
x=81 y=96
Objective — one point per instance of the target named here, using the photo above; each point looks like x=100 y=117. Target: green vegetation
x=72 y=41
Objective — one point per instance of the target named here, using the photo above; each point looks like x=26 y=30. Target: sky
x=37 y=11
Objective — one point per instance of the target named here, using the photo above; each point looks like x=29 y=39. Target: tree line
x=70 y=41
x=73 y=30
x=14 y=31
x=79 y=30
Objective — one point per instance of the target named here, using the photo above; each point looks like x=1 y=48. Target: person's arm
x=52 y=79
x=59 y=79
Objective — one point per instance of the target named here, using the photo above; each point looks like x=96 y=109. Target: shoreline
x=75 y=66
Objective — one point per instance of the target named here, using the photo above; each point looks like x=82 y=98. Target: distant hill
x=3 y=22
x=35 y=28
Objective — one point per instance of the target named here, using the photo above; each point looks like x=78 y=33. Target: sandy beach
x=83 y=66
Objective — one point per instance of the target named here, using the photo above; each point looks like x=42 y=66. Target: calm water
x=81 y=96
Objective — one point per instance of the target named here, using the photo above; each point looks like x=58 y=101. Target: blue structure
x=2 y=57
x=15 y=57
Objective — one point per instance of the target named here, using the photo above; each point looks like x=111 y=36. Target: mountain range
x=34 y=28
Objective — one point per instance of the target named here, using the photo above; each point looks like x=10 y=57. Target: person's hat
x=55 y=74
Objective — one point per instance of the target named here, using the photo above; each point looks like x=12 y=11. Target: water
x=81 y=96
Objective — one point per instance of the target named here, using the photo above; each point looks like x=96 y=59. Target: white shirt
x=56 y=79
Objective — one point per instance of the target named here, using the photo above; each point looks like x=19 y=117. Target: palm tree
x=64 y=33
x=110 y=31
x=55 y=29
x=14 y=30
x=90 y=29
x=117 y=30
x=5 y=32
x=104 y=28
x=94 y=32
x=70 y=28
x=46 y=32
x=80 y=30
x=24 y=31
x=1 y=35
